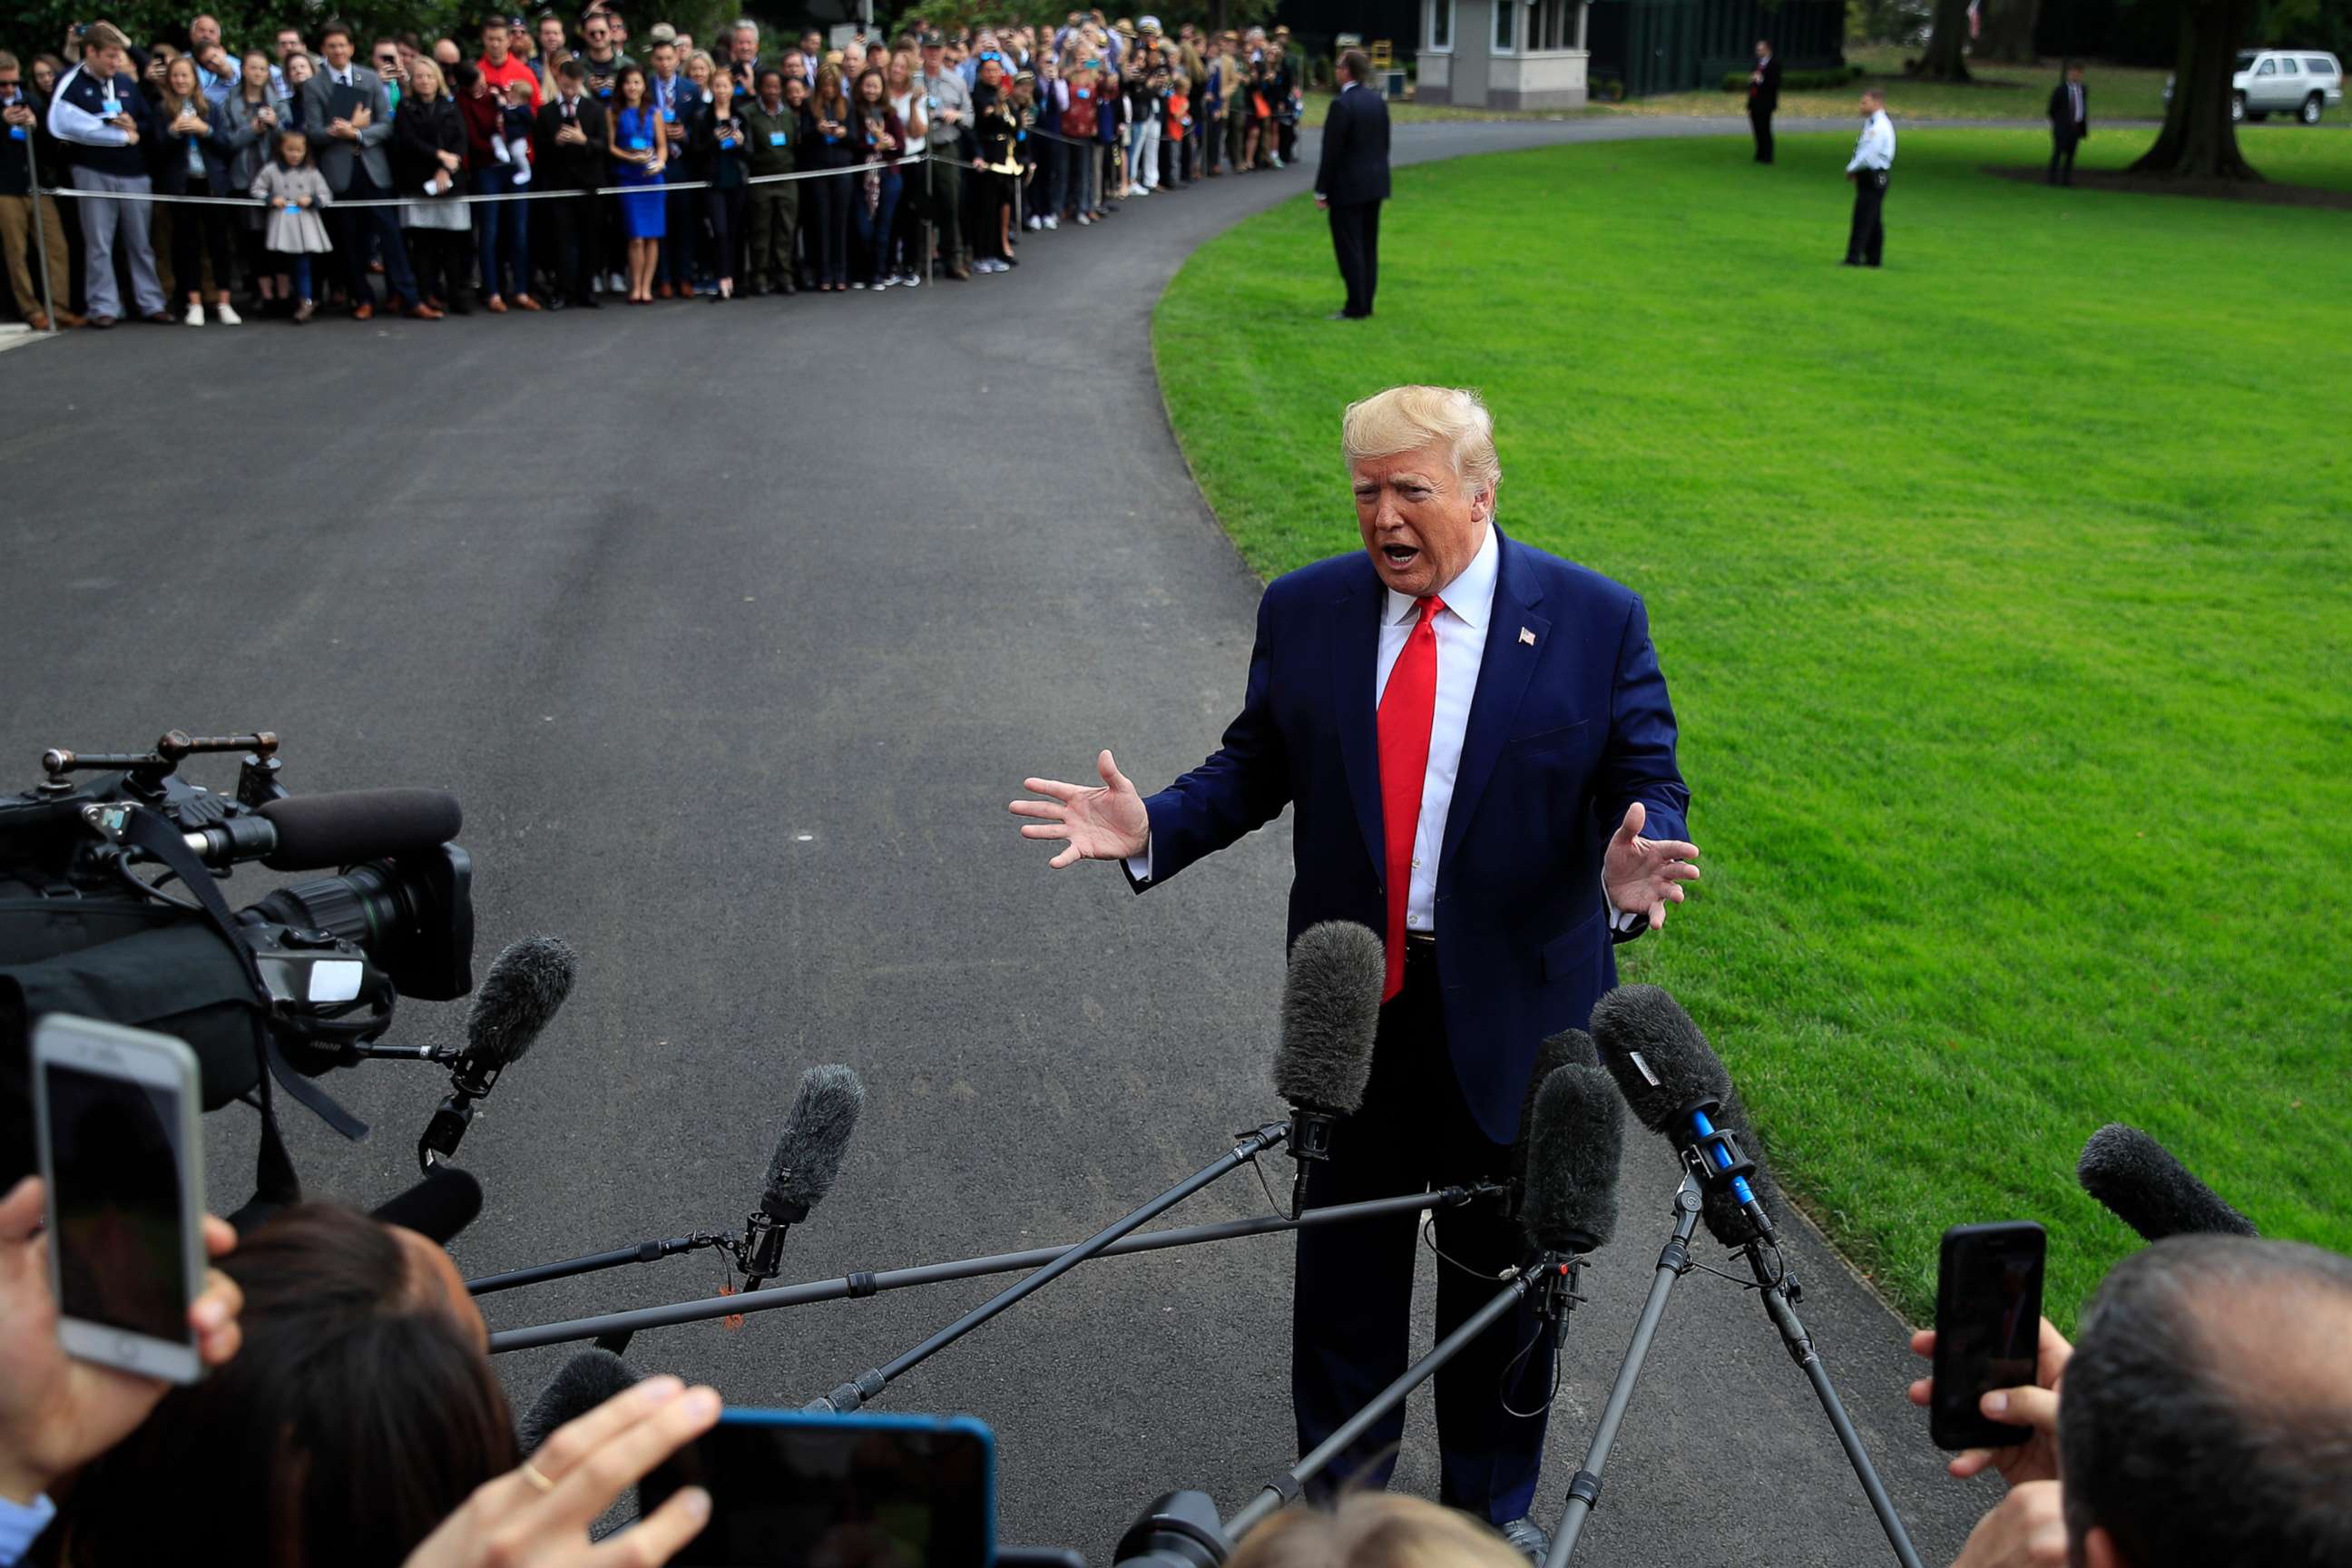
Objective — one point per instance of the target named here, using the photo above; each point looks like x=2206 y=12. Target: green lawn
x=2006 y=596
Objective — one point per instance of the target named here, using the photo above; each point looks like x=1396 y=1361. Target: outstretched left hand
x=1646 y=875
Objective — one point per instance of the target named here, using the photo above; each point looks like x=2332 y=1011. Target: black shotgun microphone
x=1330 y=1016
x=1680 y=1089
x=1574 y=1146
x=515 y=1002
x=1569 y=1046
x=444 y=1202
x=2144 y=1186
x=317 y=832
x=807 y=1158
x=578 y=1386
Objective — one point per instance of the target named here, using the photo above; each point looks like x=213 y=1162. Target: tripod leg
x=1800 y=1346
x=1584 y=1491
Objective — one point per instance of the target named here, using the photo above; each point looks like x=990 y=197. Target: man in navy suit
x=1476 y=738
x=1353 y=181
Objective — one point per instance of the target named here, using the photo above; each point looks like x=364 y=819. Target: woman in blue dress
x=640 y=148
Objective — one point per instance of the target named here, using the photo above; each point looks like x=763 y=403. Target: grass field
x=2006 y=596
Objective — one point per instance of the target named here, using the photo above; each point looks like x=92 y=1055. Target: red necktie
x=1407 y=708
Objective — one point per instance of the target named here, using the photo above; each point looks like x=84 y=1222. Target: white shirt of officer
x=1875 y=147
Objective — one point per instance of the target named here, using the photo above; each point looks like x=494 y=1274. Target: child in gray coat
x=295 y=191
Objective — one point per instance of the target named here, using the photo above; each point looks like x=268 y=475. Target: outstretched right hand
x=1105 y=824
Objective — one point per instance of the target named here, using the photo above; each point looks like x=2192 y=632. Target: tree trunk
x=2008 y=34
x=1949 y=35
x=2198 y=140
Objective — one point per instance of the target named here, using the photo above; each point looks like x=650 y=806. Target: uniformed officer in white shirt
x=1873 y=155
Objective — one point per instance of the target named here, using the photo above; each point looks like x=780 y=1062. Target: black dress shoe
x=1339 y=316
x=558 y=302
x=589 y=302
x=1527 y=1536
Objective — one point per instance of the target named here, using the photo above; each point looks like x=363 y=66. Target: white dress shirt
x=1874 y=149
x=1461 y=629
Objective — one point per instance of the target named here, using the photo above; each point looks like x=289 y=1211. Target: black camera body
x=82 y=930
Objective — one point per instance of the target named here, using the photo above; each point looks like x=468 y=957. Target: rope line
x=470 y=200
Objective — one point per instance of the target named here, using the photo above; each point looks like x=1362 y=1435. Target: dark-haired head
x=2207 y=1416
x=359 y=1413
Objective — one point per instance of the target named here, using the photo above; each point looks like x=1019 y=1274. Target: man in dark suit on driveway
x=1763 y=97
x=2070 y=122
x=1476 y=740
x=1353 y=181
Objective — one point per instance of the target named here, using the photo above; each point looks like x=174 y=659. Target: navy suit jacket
x=1565 y=732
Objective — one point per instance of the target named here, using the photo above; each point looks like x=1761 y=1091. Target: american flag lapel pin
x=1526 y=636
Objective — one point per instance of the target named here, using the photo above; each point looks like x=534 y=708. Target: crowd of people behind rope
x=346 y=160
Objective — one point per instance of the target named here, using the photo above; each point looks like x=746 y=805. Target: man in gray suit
x=351 y=119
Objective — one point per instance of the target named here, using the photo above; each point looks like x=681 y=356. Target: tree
x=2199 y=141
x=2008 y=32
x=1947 y=35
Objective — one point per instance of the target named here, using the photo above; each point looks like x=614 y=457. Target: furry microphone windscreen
x=580 y=1386
x=1330 y=1013
x=518 y=998
x=2144 y=1186
x=1575 y=1140
x=1664 y=1065
x=816 y=1138
x=1568 y=1047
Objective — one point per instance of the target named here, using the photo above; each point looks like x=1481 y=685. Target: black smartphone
x=1988 y=1328
x=790 y=1489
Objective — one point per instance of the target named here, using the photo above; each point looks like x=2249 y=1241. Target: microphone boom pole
x=854 y=1394
x=1584 y=1491
x=642 y=1252
x=1279 y=1492
x=855 y=1287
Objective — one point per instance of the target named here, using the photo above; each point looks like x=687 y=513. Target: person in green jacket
x=774 y=128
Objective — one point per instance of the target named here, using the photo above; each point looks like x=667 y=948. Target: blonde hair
x=428 y=66
x=1404 y=418
x=1375 y=1530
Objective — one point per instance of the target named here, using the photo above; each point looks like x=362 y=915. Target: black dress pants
x=1867 y=238
x=1760 y=122
x=2062 y=160
x=1352 y=1318
x=1356 y=240
x=353 y=227
x=575 y=243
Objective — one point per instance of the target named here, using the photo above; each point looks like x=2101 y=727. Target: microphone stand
x=1780 y=1292
x=856 y=1287
x=853 y=1395
x=642 y=1252
x=1280 y=1491
x=1584 y=1491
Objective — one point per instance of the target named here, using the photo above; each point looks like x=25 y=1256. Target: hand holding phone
x=541 y=1512
x=57 y=1412
x=788 y=1488
x=1992 y=1350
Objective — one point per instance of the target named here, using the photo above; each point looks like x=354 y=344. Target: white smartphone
x=122 y=1159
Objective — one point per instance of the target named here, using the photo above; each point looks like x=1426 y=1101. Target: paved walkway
x=735 y=628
